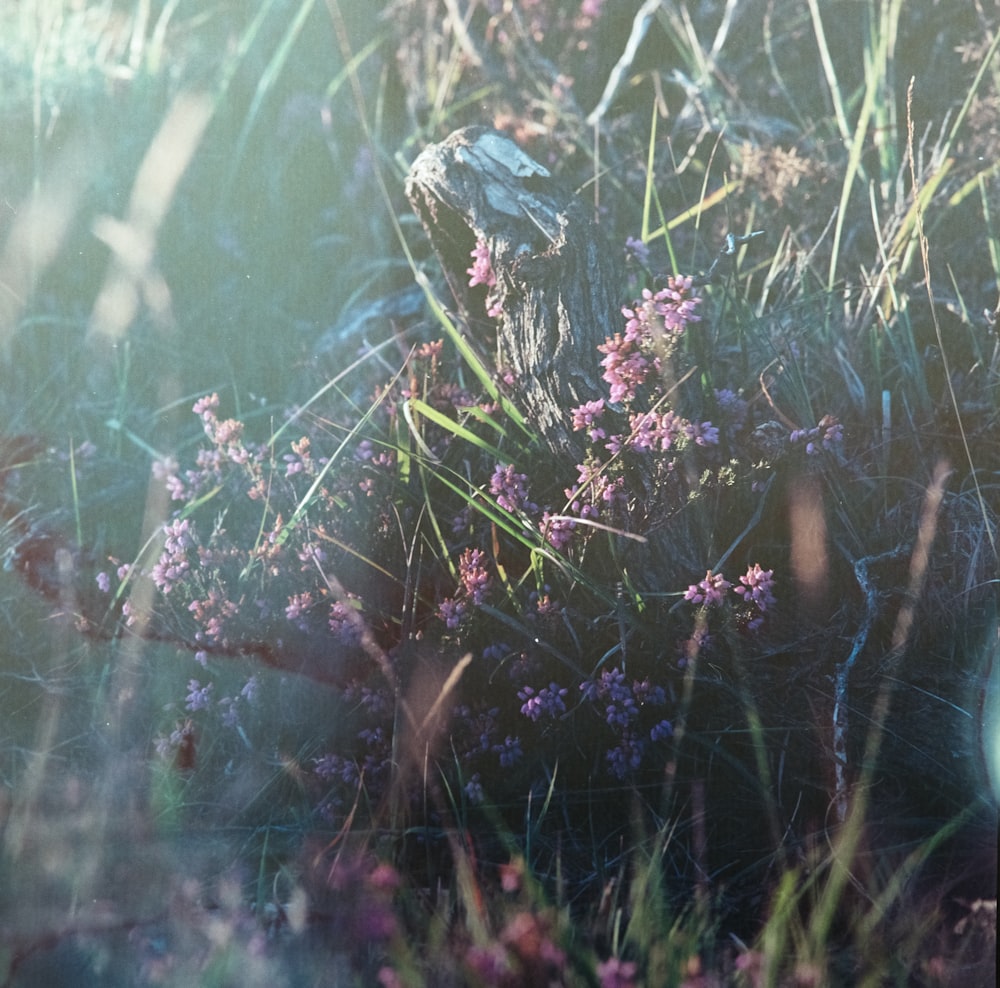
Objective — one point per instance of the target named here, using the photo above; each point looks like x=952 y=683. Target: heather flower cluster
x=510 y=489
x=709 y=591
x=594 y=492
x=474 y=584
x=653 y=326
x=757 y=594
x=481 y=273
x=636 y=251
x=634 y=368
x=756 y=591
x=827 y=435
x=633 y=712
x=474 y=576
x=267 y=563
x=547 y=702
x=173 y=564
x=524 y=953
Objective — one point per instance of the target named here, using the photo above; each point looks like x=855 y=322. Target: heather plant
x=321 y=666
x=262 y=544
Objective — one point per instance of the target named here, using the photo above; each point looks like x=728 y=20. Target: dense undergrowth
x=320 y=668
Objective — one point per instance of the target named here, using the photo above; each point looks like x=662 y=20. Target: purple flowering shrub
x=337 y=545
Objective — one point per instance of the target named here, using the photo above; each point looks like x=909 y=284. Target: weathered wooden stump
x=557 y=277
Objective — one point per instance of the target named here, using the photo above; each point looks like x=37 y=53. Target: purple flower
x=199 y=697
x=585 y=416
x=481 y=270
x=490 y=964
x=329 y=767
x=709 y=591
x=733 y=408
x=652 y=325
x=833 y=431
x=474 y=790
x=622 y=702
x=343 y=621
x=595 y=487
x=635 y=249
x=230 y=714
x=173 y=565
x=474 y=575
x=178 y=535
x=678 y=305
x=557 y=529
x=625 y=757
x=206 y=407
x=542 y=605
x=661 y=731
x=621 y=714
x=482 y=273
x=103 y=582
x=704 y=434
x=310 y=554
x=652 y=431
x=625 y=368
x=298 y=604
x=829 y=433
x=548 y=702
x=451 y=612
x=510 y=489
x=615 y=973
x=377 y=702
x=250 y=689
x=509 y=751
x=212 y=614
x=757 y=586
x=667 y=312
x=164 y=468
x=496 y=652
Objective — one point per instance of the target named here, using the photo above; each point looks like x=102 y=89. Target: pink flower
x=510 y=489
x=615 y=973
x=205 y=407
x=298 y=604
x=652 y=431
x=474 y=575
x=625 y=368
x=709 y=591
x=482 y=273
x=482 y=269
x=757 y=586
x=557 y=529
x=585 y=416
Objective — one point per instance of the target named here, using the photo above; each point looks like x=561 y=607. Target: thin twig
x=843 y=671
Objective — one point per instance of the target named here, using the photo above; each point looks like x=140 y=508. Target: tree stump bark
x=557 y=277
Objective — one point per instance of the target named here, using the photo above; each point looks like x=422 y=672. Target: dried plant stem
x=843 y=674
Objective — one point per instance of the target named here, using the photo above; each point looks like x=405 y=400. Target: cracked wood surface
x=557 y=277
